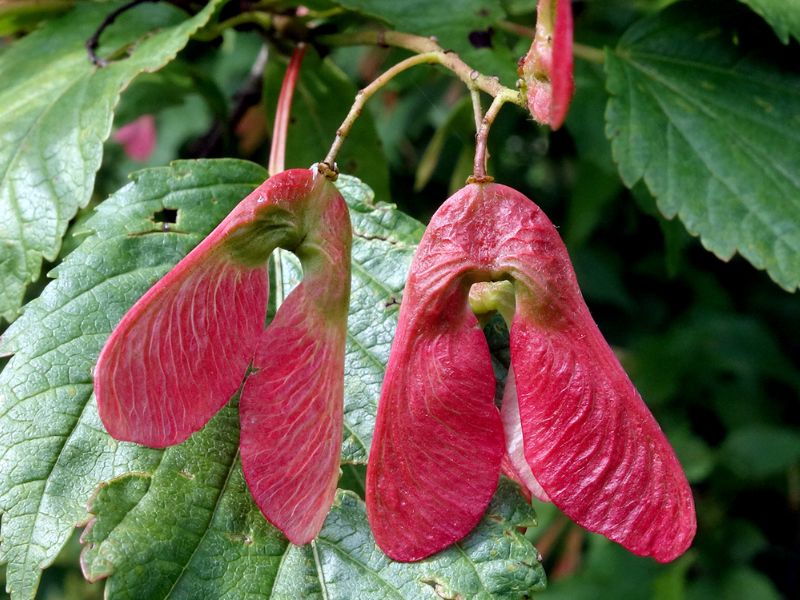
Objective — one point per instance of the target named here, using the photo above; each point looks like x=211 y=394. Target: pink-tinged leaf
x=138 y=138
x=182 y=350
x=589 y=440
x=291 y=408
x=547 y=68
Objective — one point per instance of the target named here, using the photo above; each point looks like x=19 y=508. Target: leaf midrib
x=360 y=565
x=217 y=503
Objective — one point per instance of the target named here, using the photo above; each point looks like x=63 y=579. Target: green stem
x=516 y=29
x=477 y=111
x=366 y=93
x=214 y=30
x=589 y=53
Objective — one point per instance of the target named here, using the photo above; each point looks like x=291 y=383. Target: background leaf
x=454 y=24
x=222 y=547
x=23 y=15
x=714 y=132
x=186 y=529
x=53 y=448
x=55 y=112
x=760 y=451
x=782 y=15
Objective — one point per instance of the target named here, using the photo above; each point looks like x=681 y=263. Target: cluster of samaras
x=571 y=428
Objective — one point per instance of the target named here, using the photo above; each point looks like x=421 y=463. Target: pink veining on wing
x=138 y=138
x=291 y=420
x=435 y=457
x=291 y=407
x=181 y=351
x=547 y=68
x=589 y=441
x=184 y=348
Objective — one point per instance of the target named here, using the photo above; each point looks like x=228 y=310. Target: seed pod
x=547 y=68
x=574 y=429
x=182 y=351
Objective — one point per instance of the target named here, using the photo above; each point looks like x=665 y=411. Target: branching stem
x=481 y=140
x=427 y=46
x=94 y=41
x=428 y=51
x=366 y=93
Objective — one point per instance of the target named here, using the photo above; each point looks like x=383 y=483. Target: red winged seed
x=183 y=349
x=438 y=443
x=291 y=417
x=291 y=408
x=547 y=68
x=588 y=438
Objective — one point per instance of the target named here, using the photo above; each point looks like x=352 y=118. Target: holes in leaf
x=168 y=216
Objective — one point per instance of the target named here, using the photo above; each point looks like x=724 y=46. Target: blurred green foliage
x=713 y=346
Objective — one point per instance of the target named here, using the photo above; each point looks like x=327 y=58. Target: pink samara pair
x=571 y=429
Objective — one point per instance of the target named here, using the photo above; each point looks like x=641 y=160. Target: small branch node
x=329 y=172
x=480 y=179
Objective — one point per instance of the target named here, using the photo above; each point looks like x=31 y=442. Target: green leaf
x=186 y=529
x=451 y=23
x=494 y=561
x=761 y=451
x=714 y=132
x=215 y=543
x=321 y=101
x=782 y=15
x=24 y=15
x=53 y=449
x=384 y=240
x=56 y=110
x=181 y=522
